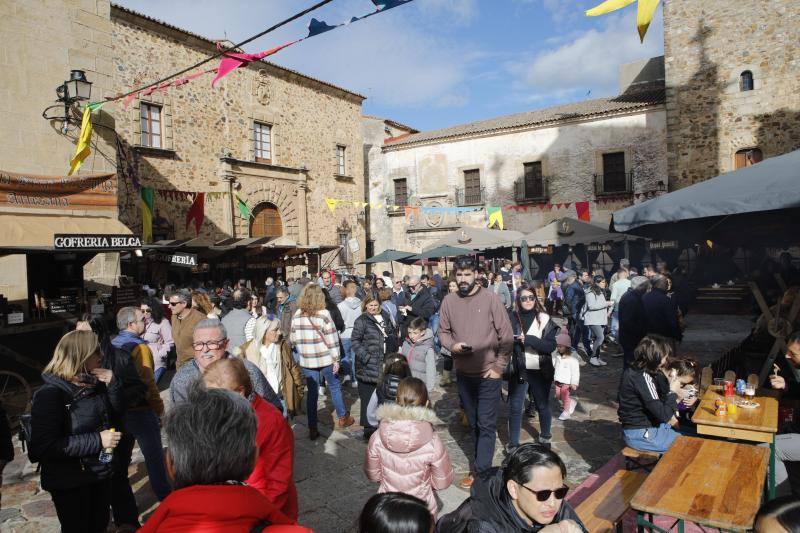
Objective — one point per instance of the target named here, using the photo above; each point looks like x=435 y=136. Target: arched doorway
x=266 y=221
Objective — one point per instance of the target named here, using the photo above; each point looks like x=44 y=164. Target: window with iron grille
x=262 y=137
x=614 y=177
x=151 y=125
x=344 y=251
x=472 y=187
x=340 y=160
x=533 y=183
x=746 y=81
x=401 y=192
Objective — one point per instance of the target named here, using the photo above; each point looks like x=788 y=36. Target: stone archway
x=266 y=221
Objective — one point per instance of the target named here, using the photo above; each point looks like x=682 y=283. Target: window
x=614 y=176
x=151 y=125
x=472 y=187
x=747 y=157
x=344 y=251
x=533 y=184
x=266 y=222
x=746 y=81
x=401 y=192
x=262 y=134
x=340 y=161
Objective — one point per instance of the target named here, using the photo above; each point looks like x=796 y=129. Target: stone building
x=608 y=152
x=279 y=140
x=731 y=76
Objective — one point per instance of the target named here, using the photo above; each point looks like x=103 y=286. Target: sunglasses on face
x=544 y=495
x=173 y=304
x=527 y=298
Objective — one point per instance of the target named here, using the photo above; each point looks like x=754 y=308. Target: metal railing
x=613 y=183
x=396 y=204
x=474 y=197
x=531 y=190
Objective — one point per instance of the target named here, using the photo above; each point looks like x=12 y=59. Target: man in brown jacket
x=474 y=326
x=184 y=319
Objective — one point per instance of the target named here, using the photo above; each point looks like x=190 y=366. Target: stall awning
x=571 y=231
x=36 y=232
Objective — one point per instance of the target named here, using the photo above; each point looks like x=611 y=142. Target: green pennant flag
x=147 y=205
x=243 y=209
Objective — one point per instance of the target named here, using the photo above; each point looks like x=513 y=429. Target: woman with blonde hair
x=72 y=437
x=316 y=339
x=272 y=354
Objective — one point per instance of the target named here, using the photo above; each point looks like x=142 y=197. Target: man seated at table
x=787 y=445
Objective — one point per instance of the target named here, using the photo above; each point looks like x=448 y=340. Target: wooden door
x=266 y=222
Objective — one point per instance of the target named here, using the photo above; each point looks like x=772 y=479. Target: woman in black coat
x=71 y=421
x=373 y=337
x=534 y=342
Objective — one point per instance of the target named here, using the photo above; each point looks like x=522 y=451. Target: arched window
x=746 y=81
x=266 y=221
x=748 y=157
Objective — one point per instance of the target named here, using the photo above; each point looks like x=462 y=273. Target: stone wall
x=208 y=139
x=571 y=154
x=707 y=45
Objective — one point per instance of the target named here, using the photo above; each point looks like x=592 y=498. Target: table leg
x=771 y=472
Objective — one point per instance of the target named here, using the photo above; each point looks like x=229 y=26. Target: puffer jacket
x=66 y=421
x=407 y=455
x=421 y=357
x=370 y=345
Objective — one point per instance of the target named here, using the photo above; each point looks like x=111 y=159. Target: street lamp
x=75 y=89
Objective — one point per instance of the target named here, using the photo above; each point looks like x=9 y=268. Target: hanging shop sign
x=544 y=250
x=125 y=296
x=178 y=259
x=598 y=247
x=94 y=191
x=95 y=242
x=663 y=245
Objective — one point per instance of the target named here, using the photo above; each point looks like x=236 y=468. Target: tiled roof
x=631 y=101
x=206 y=39
x=398 y=125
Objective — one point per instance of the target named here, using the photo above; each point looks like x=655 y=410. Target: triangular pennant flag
x=567 y=205
x=383 y=5
x=644 y=15
x=317 y=27
x=234 y=60
x=364 y=204
x=196 y=212
x=582 y=210
x=331 y=204
x=495 y=216
x=243 y=209
x=148 y=209
x=82 y=149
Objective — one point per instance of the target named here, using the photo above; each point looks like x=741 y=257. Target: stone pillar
x=302 y=215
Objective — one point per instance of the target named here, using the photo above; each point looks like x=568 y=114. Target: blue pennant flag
x=315 y=27
x=383 y=5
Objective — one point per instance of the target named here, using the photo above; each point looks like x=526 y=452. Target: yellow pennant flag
x=495 y=216
x=82 y=149
x=644 y=15
x=331 y=204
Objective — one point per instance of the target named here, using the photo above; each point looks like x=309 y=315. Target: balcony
x=396 y=205
x=473 y=197
x=532 y=190
x=613 y=184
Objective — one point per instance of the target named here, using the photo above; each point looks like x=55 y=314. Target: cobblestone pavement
x=328 y=472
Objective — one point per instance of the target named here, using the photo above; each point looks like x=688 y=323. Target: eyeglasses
x=544 y=495
x=211 y=345
x=173 y=304
x=527 y=298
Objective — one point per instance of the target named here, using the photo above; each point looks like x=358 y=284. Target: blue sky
x=436 y=63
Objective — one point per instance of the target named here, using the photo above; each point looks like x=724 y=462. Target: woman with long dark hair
x=158 y=334
x=532 y=364
x=395 y=512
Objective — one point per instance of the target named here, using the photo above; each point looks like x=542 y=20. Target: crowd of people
x=240 y=361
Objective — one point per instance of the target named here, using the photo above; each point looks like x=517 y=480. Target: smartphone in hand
x=466 y=348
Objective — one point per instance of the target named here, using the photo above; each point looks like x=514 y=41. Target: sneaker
x=346 y=378
x=564 y=415
x=582 y=352
x=602 y=363
x=345 y=421
x=354 y=385
x=596 y=361
x=577 y=356
x=466 y=482
x=572 y=405
x=545 y=442
x=321 y=389
x=510 y=449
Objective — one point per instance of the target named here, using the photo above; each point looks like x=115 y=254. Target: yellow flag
x=607 y=7
x=82 y=150
x=331 y=204
x=495 y=216
x=644 y=15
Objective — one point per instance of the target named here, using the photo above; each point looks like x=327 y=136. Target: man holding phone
x=474 y=326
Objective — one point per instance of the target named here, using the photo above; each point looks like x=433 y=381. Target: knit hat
x=563 y=339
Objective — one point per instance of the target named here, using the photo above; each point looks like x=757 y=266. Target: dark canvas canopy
x=760 y=202
x=387 y=256
x=572 y=232
x=478 y=238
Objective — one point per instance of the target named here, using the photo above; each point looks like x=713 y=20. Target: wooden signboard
x=663 y=245
x=128 y=295
x=598 y=247
x=95 y=191
x=544 y=250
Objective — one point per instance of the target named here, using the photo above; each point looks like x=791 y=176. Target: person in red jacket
x=272 y=475
x=211 y=452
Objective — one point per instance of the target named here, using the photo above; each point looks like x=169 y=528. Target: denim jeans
x=313 y=377
x=657 y=439
x=144 y=426
x=480 y=397
x=580 y=333
x=349 y=360
x=159 y=372
x=516 y=404
x=541 y=385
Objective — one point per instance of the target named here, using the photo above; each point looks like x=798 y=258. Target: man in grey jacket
x=236 y=321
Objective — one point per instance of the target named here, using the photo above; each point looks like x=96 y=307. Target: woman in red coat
x=211 y=452
x=272 y=475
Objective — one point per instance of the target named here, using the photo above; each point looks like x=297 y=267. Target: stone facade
x=707 y=46
x=208 y=140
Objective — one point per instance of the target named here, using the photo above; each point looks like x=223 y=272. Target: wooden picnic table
x=757 y=425
x=709 y=482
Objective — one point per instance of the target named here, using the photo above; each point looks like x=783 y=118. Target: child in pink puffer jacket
x=406 y=454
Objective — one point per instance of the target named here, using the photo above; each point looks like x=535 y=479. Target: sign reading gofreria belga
x=86 y=192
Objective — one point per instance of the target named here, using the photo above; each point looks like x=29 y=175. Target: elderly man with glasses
x=184 y=319
x=210 y=343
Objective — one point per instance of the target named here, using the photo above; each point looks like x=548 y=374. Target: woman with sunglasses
x=532 y=364
x=157 y=334
x=525 y=495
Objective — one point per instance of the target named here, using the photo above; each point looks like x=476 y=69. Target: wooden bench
x=638 y=459
x=603 y=510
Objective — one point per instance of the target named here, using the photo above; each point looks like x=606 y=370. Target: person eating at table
x=647 y=416
x=685 y=369
x=786 y=378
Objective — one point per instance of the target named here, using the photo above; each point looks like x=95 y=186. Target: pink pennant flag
x=234 y=60
x=129 y=99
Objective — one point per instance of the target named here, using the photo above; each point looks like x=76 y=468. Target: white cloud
x=590 y=61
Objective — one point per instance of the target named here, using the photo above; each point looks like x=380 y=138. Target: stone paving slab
x=329 y=471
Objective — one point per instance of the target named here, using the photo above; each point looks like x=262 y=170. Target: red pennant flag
x=234 y=60
x=196 y=212
x=582 y=209
x=567 y=205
